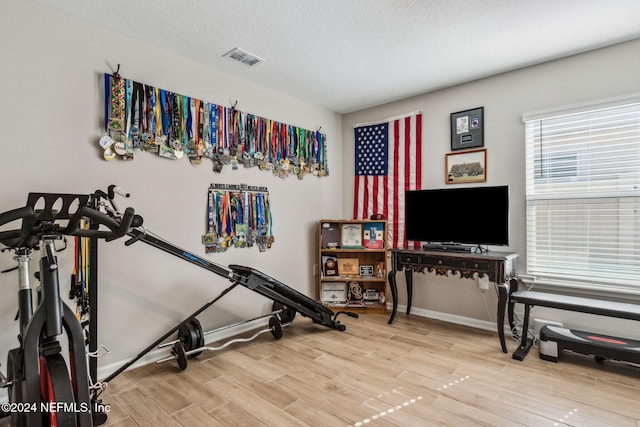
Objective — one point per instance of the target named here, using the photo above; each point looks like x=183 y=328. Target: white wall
x=587 y=77
x=51 y=118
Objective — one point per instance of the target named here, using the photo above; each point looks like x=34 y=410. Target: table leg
x=394 y=294
x=408 y=275
x=503 y=295
x=513 y=286
x=525 y=342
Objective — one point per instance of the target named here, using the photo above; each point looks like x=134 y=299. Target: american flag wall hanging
x=388 y=161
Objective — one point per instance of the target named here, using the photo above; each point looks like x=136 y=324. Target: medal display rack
x=237 y=216
x=352 y=264
x=173 y=126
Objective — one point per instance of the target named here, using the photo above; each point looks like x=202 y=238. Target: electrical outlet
x=315 y=269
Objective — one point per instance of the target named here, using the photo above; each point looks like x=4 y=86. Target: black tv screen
x=471 y=215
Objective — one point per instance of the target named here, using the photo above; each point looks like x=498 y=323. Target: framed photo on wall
x=468 y=166
x=467 y=129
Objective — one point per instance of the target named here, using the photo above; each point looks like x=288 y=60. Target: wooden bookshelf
x=352 y=260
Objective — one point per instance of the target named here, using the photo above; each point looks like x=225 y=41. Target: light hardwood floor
x=416 y=372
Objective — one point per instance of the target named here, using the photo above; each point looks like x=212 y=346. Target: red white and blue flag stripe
x=388 y=161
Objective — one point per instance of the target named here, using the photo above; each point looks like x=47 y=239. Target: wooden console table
x=498 y=266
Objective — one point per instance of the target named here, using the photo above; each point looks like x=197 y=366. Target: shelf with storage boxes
x=353 y=264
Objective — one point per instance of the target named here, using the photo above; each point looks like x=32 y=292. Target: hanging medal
x=116 y=118
x=161 y=128
x=200 y=130
x=149 y=134
x=189 y=137
x=128 y=147
x=213 y=131
x=177 y=123
x=106 y=141
x=165 y=126
x=136 y=112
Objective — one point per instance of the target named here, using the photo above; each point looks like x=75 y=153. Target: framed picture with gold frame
x=467 y=166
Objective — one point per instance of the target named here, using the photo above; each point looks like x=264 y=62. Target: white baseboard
x=452 y=318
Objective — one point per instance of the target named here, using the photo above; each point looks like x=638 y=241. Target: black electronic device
x=470 y=215
x=554 y=339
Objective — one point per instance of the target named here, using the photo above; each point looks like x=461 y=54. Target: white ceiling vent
x=243 y=56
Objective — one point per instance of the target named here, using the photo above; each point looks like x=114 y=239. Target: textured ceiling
x=347 y=55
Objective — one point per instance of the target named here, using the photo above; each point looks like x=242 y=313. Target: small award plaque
x=349 y=266
x=329 y=266
x=366 y=270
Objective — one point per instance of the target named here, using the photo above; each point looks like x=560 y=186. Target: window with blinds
x=583 y=195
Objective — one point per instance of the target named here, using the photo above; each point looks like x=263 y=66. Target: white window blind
x=583 y=195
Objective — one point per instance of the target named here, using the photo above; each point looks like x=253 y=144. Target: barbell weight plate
x=191 y=336
x=198 y=336
x=287 y=315
x=186 y=336
x=276 y=327
x=181 y=356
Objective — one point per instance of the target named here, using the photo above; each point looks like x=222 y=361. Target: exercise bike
x=42 y=389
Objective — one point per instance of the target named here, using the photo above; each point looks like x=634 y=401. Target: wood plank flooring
x=416 y=372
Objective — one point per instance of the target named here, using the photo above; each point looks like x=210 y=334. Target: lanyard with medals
x=122 y=146
x=106 y=141
x=185 y=122
x=159 y=120
x=218 y=215
x=274 y=140
x=213 y=122
x=206 y=128
x=116 y=118
x=148 y=137
x=261 y=222
x=251 y=127
x=176 y=124
x=165 y=112
x=200 y=128
x=187 y=142
x=211 y=213
x=135 y=112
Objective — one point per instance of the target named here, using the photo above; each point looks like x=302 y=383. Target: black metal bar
x=93 y=306
x=249 y=278
x=50 y=290
x=184 y=254
x=166 y=335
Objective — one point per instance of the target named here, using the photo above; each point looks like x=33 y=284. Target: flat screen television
x=470 y=215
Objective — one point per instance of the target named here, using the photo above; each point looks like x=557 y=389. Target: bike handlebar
x=13 y=215
x=116 y=229
x=32 y=226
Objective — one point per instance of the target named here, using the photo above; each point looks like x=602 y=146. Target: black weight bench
x=565 y=302
x=289 y=297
